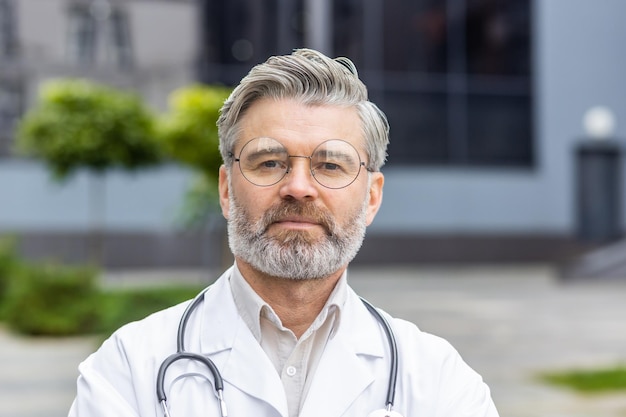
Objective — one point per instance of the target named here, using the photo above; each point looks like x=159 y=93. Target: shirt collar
x=251 y=306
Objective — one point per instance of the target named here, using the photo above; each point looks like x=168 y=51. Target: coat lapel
x=231 y=345
x=345 y=370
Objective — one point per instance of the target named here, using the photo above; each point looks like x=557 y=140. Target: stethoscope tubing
x=218 y=381
x=393 y=354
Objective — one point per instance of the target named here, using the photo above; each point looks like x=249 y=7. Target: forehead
x=300 y=126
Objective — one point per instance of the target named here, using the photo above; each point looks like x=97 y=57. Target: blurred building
x=485 y=100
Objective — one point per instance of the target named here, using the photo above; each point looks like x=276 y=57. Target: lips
x=298 y=220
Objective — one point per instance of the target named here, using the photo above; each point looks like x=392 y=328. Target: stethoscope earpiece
x=384 y=413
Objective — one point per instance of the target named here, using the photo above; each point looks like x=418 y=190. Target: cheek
x=254 y=200
x=344 y=208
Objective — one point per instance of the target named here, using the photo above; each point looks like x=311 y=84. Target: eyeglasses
x=265 y=161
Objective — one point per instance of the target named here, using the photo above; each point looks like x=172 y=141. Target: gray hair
x=313 y=79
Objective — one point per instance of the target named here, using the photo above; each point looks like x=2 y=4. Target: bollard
x=598 y=179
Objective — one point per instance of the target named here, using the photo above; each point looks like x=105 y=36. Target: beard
x=295 y=254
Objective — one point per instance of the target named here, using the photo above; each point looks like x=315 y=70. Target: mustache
x=310 y=211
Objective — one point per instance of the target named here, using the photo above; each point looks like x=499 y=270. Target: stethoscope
x=218 y=382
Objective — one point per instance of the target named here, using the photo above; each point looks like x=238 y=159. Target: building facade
x=485 y=100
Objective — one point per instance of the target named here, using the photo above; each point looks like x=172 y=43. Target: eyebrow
x=336 y=154
x=276 y=150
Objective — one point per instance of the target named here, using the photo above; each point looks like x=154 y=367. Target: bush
x=50 y=299
x=8 y=263
x=119 y=307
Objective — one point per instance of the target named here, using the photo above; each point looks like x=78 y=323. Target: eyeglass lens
x=334 y=163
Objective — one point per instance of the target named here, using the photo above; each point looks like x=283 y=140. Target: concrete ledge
x=470 y=248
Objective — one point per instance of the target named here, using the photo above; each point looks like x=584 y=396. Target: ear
x=375 y=196
x=224 y=191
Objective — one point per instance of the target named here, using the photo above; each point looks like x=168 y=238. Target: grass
x=590 y=381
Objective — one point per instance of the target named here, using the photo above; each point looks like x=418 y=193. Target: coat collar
x=226 y=339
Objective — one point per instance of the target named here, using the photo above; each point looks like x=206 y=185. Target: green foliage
x=119 y=307
x=78 y=123
x=50 y=299
x=56 y=300
x=8 y=263
x=188 y=135
x=189 y=131
x=590 y=381
x=201 y=200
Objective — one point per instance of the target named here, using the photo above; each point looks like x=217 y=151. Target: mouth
x=298 y=223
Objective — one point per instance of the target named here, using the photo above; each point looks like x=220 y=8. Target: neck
x=296 y=302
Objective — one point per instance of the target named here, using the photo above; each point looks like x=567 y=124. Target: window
x=119 y=39
x=8 y=41
x=468 y=66
x=453 y=76
x=99 y=33
x=82 y=36
x=10 y=110
x=240 y=33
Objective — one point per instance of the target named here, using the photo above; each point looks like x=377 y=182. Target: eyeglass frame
x=310 y=158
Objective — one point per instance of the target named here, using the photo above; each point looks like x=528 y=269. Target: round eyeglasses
x=265 y=161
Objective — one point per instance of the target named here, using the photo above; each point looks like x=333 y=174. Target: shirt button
x=291 y=370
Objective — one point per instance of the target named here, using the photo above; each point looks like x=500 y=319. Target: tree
x=188 y=134
x=82 y=124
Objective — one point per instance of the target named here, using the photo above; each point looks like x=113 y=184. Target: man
x=302 y=149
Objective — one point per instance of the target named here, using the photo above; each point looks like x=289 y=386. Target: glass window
x=99 y=33
x=453 y=76
x=463 y=69
x=418 y=127
x=119 y=39
x=499 y=129
x=10 y=110
x=415 y=35
x=82 y=36
x=347 y=29
x=498 y=37
x=240 y=33
x=8 y=41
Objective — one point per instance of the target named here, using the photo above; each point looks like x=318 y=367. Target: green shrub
x=119 y=307
x=8 y=263
x=50 y=299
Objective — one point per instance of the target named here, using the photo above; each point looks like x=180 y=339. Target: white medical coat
x=119 y=379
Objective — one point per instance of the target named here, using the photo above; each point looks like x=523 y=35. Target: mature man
x=301 y=181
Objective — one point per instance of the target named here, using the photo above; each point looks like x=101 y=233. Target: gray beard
x=294 y=254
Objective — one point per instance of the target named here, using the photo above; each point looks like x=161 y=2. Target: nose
x=299 y=182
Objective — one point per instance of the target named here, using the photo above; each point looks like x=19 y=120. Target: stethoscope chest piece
x=384 y=413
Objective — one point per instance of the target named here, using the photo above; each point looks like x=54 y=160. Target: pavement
x=510 y=323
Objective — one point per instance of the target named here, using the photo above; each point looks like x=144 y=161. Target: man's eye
x=329 y=166
x=270 y=164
